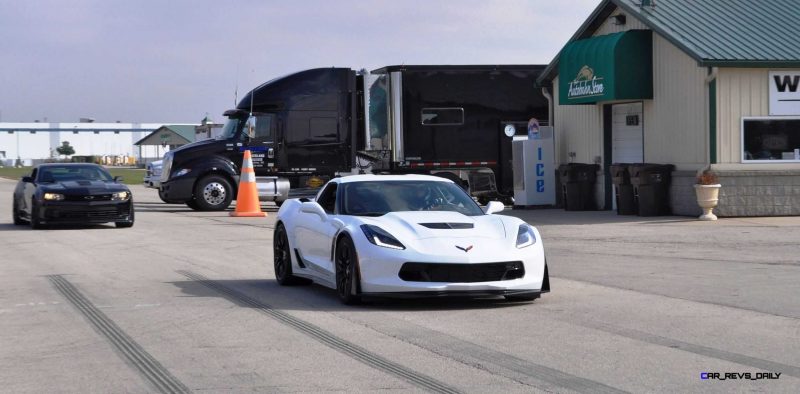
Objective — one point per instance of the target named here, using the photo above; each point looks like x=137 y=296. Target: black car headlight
x=525 y=236
x=53 y=197
x=378 y=236
x=120 y=196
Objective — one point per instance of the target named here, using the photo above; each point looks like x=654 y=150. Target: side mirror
x=27 y=179
x=493 y=207
x=313 y=207
x=250 y=127
x=118 y=179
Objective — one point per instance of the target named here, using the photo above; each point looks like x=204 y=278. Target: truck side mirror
x=250 y=127
x=26 y=179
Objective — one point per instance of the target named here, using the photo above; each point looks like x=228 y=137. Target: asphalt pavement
x=186 y=301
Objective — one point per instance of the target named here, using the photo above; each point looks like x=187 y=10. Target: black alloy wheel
x=15 y=213
x=282 y=259
x=347 y=281
x=36 y=222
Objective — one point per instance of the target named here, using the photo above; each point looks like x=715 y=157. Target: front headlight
x=378 y=236
x=525 y=236
x=53 y=197
x=120 y=196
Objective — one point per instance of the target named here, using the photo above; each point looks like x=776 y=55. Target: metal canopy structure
x=617 y=66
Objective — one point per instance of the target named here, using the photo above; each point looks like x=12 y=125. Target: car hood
x=83 y=187
x=437 y=224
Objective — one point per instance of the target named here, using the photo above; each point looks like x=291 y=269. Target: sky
x=175 y=61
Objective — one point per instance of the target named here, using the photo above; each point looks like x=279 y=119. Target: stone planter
x=707 y=199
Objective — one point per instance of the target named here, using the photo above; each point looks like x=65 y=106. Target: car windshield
x=52 y=174
x=376 y=198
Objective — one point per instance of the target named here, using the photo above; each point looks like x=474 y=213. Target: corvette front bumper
x=382 y=274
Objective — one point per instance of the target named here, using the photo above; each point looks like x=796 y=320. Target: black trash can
x=651 y=188
x=620 y=177
x=577 y=186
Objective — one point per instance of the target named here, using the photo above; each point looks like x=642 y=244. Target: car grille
x=462 y=273
x=94 y=197
x=94 y=213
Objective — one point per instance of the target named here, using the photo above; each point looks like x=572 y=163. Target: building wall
x=609 y=27
x=675 y=121
x=753 y=189
x=579 y=131
x=741 y=92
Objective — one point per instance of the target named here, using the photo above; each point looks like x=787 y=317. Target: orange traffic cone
x=247 y=204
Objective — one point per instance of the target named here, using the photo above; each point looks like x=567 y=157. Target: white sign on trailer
x=784 y=92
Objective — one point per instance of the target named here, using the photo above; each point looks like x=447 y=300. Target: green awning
x=616 y=66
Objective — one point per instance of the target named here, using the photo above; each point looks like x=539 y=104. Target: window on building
x=442 y=116
x=770 y=139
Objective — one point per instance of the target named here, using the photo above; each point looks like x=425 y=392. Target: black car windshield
x=52 y=174
x=376 y=198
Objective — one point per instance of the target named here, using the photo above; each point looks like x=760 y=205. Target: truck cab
x=297 y=129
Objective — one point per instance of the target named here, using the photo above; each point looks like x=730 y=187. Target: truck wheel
x=213 y=193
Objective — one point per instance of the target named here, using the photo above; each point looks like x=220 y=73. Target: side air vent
x=448 y=226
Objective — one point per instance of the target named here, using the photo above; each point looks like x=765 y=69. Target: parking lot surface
x=187 y=301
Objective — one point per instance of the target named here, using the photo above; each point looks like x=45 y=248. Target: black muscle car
x=71 y=194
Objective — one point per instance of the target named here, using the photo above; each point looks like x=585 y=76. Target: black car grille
x=462 y=273
x=94 y=197
x=91 y=214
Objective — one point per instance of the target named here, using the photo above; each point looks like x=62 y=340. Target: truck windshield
x=231 y=128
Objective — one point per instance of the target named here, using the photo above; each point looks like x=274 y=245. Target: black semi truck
x=305 y=128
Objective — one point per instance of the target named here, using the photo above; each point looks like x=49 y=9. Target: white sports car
x=406 y=236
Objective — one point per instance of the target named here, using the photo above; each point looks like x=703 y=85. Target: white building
x=39 y=141
x=695 y=84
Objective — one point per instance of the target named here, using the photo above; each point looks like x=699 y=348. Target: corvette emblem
x=467 y=249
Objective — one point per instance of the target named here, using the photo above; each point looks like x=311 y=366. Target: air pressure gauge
x=510 y=130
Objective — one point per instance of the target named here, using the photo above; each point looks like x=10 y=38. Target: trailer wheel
x=213 y=193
